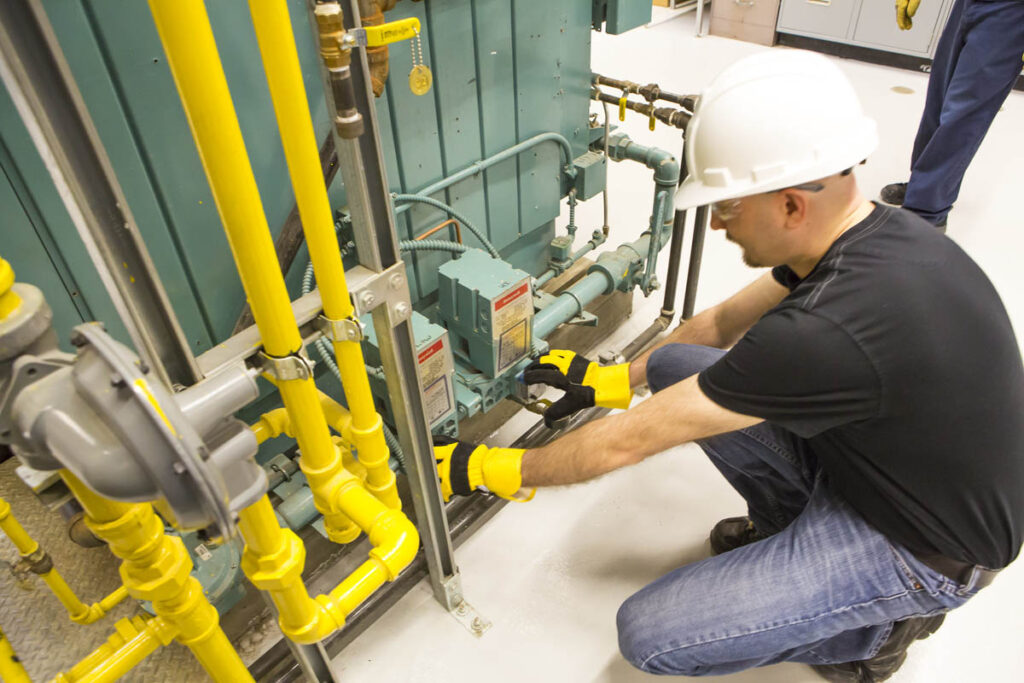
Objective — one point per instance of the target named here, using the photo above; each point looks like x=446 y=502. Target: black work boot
x=733 y=532
x=894 y=193
x=890 y=656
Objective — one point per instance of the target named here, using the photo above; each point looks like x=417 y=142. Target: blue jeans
x=976 y=63
x=826 y=587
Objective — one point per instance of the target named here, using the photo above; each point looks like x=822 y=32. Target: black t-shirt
x=896 y=361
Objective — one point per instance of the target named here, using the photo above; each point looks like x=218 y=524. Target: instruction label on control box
x=511 y=318
x=436 y=370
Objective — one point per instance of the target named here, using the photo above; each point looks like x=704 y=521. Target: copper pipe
x=441 y=226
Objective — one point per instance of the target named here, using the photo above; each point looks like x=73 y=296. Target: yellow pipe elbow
x=337 y=416
x=98 y=610
x=272 y=424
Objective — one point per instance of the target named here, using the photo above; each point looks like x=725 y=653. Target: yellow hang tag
x=622 y=108
x=420 y=79
x=651 y=124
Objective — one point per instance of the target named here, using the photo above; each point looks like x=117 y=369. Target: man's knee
x=675 y=362
x=644 y=645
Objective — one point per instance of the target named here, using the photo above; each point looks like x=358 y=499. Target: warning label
x=511 y=318
x=436 y=369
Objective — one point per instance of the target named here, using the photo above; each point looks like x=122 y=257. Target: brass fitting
x=377 y=57
x=331 y=27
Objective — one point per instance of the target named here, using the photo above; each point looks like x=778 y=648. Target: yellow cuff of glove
x=610 y=384
x=499 y=470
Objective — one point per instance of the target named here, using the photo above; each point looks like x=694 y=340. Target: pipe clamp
x=340 y=330
x=294 y=366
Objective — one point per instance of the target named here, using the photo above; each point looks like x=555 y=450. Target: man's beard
x=748 y=260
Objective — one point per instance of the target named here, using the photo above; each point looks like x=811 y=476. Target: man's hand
x=464 y=468
x=585 y=383
x=905 y=10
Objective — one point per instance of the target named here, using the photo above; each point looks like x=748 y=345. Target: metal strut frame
x=362 y=168
x=33 y=67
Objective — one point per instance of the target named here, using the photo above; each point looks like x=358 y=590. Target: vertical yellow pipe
x=157 y=567
x=284 y=77
x=188 y=41
x=25 y=544
x=273 y=561
x=11 y=668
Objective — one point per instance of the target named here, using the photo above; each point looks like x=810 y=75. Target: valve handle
x=392 y=32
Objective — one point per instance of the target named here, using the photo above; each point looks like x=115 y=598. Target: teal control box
x=487 y=306
x=436 y=366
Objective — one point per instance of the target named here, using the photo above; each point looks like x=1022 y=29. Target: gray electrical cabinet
x=865 y=23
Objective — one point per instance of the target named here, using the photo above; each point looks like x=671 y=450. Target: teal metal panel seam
x=480 y=115
x=435 y=93
x=515 y=110
x=407 y=218
x=147 y=165
x=35 y=219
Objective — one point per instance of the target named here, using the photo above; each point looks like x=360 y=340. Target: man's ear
x=795 y=206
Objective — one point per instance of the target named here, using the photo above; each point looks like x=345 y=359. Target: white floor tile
x=551 y=574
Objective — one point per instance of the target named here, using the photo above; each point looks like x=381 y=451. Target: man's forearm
x=573 y=458
x=676 y=415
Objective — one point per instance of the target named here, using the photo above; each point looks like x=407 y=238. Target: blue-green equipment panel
x=504 y=71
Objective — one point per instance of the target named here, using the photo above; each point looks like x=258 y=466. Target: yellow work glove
x=905 y=10
x=464 y=468
x=585 y=383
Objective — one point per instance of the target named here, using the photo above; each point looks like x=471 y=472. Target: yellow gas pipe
x=284 y=77
x=157 y=567
x=11 y=668
x=79 y=612
x=274 y=557
x=184 y=29
x=132 y=641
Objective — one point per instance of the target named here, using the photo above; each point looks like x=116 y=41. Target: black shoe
x=890 y=656
x=894 y=193
x=733 y=532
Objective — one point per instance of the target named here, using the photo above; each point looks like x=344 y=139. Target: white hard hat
x=770 y=121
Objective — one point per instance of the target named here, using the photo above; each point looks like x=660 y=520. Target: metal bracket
x=388 y=287
x=467 y=615
x=290 y=367
x=345 y=329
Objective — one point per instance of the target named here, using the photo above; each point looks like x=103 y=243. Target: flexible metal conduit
x=430 y=201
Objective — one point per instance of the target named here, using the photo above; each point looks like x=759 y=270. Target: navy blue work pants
x=976 y=64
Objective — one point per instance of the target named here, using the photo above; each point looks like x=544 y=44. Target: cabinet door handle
x=744 y=3
x=820 y=2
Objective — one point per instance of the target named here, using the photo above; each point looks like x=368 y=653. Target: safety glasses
x=728 y=209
